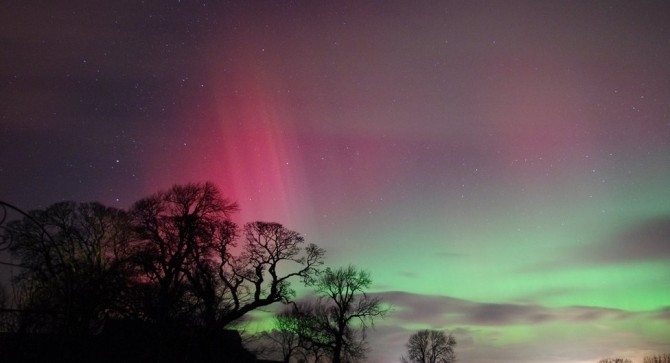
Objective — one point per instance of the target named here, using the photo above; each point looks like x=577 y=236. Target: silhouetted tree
x=337 y=320
x=659 y=358
x=188 y=250
x=272 y=256
x=74 y=257
x=176 y=235
x=283 y=339
x=175 y=264
x=614 y=360
x=430 y=346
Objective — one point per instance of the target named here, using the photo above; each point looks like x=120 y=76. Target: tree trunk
x=339 y=341
x=337 y=352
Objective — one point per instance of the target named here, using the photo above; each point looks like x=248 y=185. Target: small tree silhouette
x=659 y=358
x=614 y=360
x=283 y=339
x=430 y=346
x=337 y=320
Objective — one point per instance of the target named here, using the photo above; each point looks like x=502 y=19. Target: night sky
x=502 y=168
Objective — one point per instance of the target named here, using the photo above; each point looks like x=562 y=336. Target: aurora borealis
x=500 y=167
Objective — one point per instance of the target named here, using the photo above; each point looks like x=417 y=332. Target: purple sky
x=500 y=167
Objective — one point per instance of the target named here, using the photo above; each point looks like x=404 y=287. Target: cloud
x=409 y=274
x=648 y=240
x=421 y=309
x=511 y=314
x=663 y=314
x=480 y=327
x=439 y=311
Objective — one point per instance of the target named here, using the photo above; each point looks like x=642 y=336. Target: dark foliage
x=175 y=262
x=615 y=360
x=336 y=321
x=659 y=358
x=193 y=269
x=430 y=346
x=75 y=265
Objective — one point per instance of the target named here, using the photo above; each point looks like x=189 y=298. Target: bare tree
x=337 y=320
x=173 y=259
x=188 y=250
x=614 y=360
x=659 y=358
x=430 y=346
x=175 y=234
x=261 y=275
x=74 y=257
x=283 y=339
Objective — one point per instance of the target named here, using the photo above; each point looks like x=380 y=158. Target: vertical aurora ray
x=262 y=158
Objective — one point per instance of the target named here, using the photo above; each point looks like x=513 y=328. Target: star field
x=500 y=168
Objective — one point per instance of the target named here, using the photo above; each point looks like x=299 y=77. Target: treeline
x=658 y=358
x=173 y=263
x=174 y=259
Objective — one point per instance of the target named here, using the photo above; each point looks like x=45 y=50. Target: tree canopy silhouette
x=615 y=360
x=337 y=320
x=75 y=260
x=282 y=340
x=430 y=346
x=189 y=252
x=175 y=259
x=658 y=358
